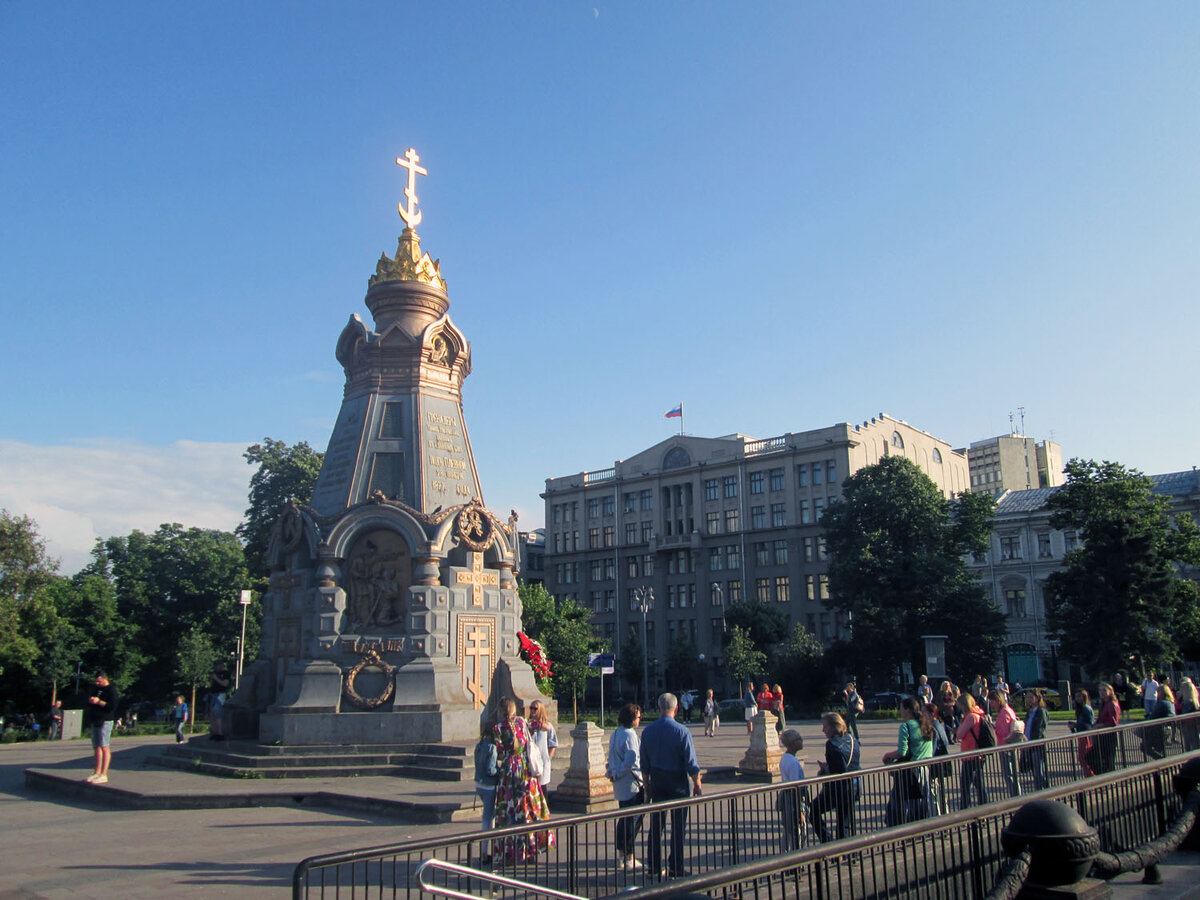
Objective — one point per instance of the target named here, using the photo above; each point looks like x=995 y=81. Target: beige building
x=1014 y=462
x=705 y=522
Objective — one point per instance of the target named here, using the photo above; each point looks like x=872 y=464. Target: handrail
x=503 y=880
x=757 y=803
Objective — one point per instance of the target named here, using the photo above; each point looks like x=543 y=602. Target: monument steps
x=425 y=762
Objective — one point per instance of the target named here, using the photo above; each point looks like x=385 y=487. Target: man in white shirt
x=1149 y=692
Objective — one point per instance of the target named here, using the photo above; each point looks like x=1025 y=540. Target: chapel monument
x=391 y=614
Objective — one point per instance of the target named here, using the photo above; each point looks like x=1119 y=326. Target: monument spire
x=411 y=215
x=410 y=264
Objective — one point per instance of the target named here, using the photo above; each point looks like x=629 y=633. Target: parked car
x=883 y=700
x=732 y=709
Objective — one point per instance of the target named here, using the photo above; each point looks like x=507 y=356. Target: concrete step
x=241 y=760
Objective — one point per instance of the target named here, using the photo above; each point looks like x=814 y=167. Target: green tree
x=193 y=663
x=1119 y=598
x=805 y=671
x=631 y=661
x=170 y=580
x=766 y=623
x=683 y=665
x=742 y=660
x=25 y=571
x=562 y=627
x=897 y=567
x=284 y=473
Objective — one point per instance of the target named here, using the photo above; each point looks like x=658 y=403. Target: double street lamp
x=643 y=597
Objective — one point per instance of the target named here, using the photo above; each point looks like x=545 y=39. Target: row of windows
x=1012 y=547
x=766 y=553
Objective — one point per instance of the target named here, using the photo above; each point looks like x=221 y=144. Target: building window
x=714 y=594
x=593 y=507
x=596 y=600
x=651 y=637
x=712 y=522
x=710 y=489
x=1015 y=600
x=777 y=480
x=610 y=569
x=630 y=532
x=610 y=535
x=1044 y=545
x=778 y=515
x=781 y=553
x=731 y=520
x=730 y=485
x=818 y=508
x=802 y=476
x=937 y=455
x=593 y=538
x=756 y=482
x=630 y=501
x=762 y=590
x=733 y=591
x=1070 y=540
x=817 y=474
x=575 y=540
x=647 y=500
x=810 y=549
x=597 y=567
x=831 y=470
x=609 y=503
x=783 y=589
x=761 y=555
x=1010 y=546
x=897 y=440
x=631 y=567
x=823 y=587
x=716 y=559
x=558 y=543
x=684 y=560
x=733 y=557
x=647 y=532
x=810 y=587
x=610 y=601
x=805 y=513
x=758 y=517
x=822 y=554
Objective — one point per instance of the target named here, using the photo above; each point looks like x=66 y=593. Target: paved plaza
x=73 y=842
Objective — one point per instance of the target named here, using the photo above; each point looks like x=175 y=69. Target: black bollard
x=1062 y=846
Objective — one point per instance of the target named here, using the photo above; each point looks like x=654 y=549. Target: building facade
x=1014 y=462
x=1024 y=551
x=531 y=555
x=707 y=522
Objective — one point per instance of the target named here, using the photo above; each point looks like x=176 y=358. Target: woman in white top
x=544 y=736
x=791 y=803
x=625 y=769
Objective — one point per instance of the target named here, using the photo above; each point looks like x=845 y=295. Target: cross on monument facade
x=477 y=651
x=411 y=215
x=477 y=578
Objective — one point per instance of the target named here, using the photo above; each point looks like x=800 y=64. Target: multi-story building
x=1014 y=462
x=706 y=522
x=1024 y=551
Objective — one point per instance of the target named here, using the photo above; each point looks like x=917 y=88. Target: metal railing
x=748 y=825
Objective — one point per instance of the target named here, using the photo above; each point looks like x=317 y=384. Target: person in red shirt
x=968 y=737
x=765 y=698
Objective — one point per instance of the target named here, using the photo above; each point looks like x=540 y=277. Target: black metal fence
x=713 y=833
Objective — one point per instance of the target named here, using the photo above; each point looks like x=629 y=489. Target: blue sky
x=784 y=215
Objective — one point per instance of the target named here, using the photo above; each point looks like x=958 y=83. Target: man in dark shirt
x=99 y=713
x=668 y=762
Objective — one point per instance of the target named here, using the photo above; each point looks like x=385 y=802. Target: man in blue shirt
x=668 y=762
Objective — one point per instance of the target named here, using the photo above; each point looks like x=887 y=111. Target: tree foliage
x=284 y=473
x=683 y=664
x=1119 y=599
x=169 y=581
x=562 y=627
x=765 y=623
x=631 y=661
x=804 y=670
x=743 y=661
x=897 y=566
x=25 y=572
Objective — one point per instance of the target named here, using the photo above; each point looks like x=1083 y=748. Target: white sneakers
x=97 y=779
x=630 y=863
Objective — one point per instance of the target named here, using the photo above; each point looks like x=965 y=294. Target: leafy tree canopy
x=25 y=571
x=563 y=628
x=1119 y=599
x=743 y=661
x=897 y=566
x=765 y=623
x=284 y=473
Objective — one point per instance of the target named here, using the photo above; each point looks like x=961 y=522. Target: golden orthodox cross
x=477 y=578
x=411 y=215
x=477 y=650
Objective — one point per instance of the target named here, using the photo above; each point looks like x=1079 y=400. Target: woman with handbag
x=624 y=769
x=910 y=799
x=519 y=797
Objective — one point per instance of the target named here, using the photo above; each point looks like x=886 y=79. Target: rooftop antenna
x=1010 y=422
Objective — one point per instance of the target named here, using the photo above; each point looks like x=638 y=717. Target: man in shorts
x=99 y=714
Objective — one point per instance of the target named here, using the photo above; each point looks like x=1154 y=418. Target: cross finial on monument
x=411 y=215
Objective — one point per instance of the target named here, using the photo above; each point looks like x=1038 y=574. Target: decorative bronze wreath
x=370 y=659
x=473 y=527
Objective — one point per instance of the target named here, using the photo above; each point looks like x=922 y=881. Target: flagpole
x=681 y=418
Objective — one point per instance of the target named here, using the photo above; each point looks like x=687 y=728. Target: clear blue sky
x=784 y=215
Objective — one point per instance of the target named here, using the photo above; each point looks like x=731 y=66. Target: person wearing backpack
x=842 y=754
x=487 y=773
x=975 y=732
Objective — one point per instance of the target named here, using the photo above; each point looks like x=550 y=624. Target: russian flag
x=675 y=413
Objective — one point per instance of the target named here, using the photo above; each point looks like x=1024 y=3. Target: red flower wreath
x=534 y=654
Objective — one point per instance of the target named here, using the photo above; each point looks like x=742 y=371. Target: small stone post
x=585 y=788
x=761 y=761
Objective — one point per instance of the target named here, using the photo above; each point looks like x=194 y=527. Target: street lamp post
x=644 y=598
x=244 y=598
x=716 y=587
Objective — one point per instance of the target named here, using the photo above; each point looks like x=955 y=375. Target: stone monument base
x=585 y=788
x=761 y=761
x=405 y=725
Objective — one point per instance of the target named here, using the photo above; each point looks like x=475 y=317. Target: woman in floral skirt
x=519 y=797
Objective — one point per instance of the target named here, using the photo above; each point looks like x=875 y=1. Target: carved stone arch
x=676 y=458
x=442 y=343
x=377 y=546
x=353 y=336
x=371 y=517
x=446 y=540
